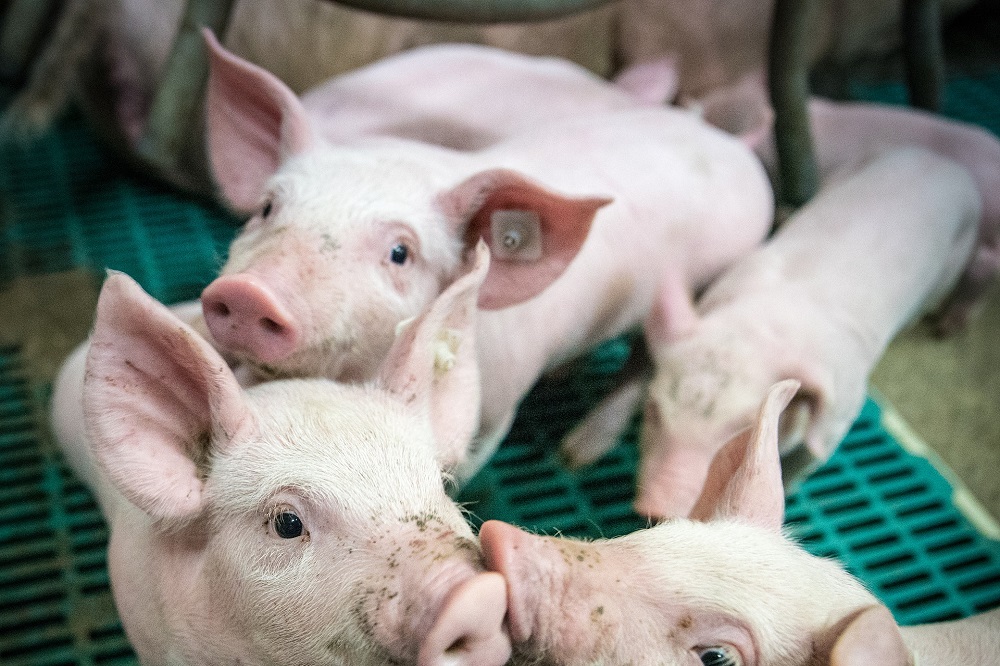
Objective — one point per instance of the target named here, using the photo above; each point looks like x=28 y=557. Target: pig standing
x=818 y=303
x=297 y=522
x=348 y=240
x=724 y=588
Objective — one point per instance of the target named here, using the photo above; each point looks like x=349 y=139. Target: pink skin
x=846 y=134
x=193 y=472
x=592 y=202
x=818 y=303
x=670 y=594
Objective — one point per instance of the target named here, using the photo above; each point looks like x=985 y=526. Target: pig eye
x=718 y=656
x=287 y=525
x=266 y=210
x=399 y=254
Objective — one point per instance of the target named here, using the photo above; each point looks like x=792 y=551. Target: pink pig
x=349 y=239
x=724 y=588
x=713 y=364
x=299 y=521
x=818 y=303
x=846 y=134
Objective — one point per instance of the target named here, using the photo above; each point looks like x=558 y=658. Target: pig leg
x=961 y=304
x=603 y=425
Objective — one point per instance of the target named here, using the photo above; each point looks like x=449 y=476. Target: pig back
x=874 y=249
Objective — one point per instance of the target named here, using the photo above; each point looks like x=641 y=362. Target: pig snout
x=244 y=316
x=505 y=548
x=469 y=628
x=433 y=604
x=562 y=594
x=671 y=474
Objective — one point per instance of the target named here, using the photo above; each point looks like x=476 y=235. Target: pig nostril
x=271 y=326
x=220 y=309
x=459 y=646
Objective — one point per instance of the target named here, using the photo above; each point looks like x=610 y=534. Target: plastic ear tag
x=446 y=350
x=517 y=235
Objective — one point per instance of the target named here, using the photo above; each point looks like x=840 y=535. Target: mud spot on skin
x=685 y=622
x=330 y=244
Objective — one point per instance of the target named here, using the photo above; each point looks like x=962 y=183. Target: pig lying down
x=586 y=217
x=299 y=521
x=848 y=133
x=724 y=588
x=817 y=303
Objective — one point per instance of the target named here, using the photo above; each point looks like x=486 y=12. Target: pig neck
x=654 y=230
x=155 y=576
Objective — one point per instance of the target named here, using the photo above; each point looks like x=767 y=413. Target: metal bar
x=476 y=11
x=788 y=72
x=176 y=111
x=923 y=52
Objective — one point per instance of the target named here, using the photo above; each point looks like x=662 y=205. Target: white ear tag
x=517 y=235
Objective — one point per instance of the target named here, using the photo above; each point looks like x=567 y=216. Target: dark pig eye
x=399 y=254
x=287 y=525
x=718 y=656
x=266 y=210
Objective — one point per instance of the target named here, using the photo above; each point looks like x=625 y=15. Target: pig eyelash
x=718 y=655
x=284 y=522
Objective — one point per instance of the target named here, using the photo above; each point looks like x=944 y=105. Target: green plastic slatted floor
x=885 y=513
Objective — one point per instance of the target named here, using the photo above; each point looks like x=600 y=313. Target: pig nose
x=469 y=629
x=243 y=315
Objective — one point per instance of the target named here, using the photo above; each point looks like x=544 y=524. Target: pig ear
x=744 y=481
x=155 y=396
x=254 y=123
x=872 y=637
x=533 y=233
x=806 y=419
x=742 y=109
x=653 y=82
x=433 y=363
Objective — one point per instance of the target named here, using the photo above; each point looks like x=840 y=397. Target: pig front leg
x=602 y=427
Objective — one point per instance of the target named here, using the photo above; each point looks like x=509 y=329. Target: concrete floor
x=948 y=391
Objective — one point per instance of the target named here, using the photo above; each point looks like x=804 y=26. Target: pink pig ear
x=254 y=123
x=156 y=396
x=533 y=233
x=433 y=365
x=742 y=109
x=871 y=637
x=744 y=481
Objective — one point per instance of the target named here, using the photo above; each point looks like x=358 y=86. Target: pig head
x=817 y=303
x=722 y=588
x=299 y=521
x=345 y=243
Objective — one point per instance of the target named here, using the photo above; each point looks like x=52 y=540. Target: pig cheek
x=306 y=602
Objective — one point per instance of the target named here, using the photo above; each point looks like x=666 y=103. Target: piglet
x=818 y=302
x=297 y=522
x=586 y=216
x=846 y=133
x=724 y=588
